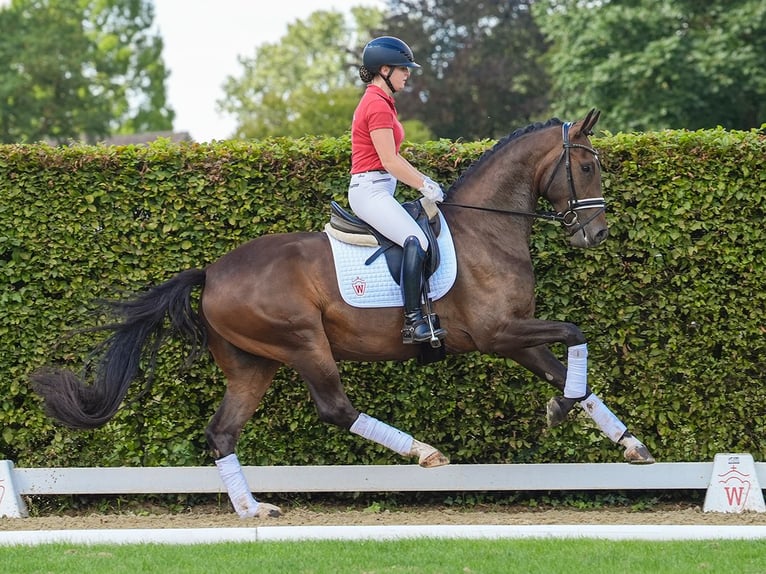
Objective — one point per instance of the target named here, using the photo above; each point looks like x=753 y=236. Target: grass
x=433 y=556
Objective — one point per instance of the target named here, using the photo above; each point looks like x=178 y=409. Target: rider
x=376 y=166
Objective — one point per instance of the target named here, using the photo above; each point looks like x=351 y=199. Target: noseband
x=569 y=217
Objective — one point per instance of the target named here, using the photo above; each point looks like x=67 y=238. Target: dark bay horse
x=275 y=301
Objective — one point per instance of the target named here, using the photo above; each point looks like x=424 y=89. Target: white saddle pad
x=372 y=285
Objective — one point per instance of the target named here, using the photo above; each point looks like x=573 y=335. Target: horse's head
x=573 y=185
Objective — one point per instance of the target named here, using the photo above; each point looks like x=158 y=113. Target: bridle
x=569 y=217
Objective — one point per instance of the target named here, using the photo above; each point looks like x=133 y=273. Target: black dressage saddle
x=347 y=223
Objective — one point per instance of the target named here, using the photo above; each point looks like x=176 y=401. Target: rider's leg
x=416 y=327
x=371 y=197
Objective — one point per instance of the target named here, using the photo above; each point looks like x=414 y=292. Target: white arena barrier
x=18 y=482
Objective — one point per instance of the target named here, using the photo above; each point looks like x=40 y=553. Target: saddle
x=348 y=228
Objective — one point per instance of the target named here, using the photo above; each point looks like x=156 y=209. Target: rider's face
x=399 y=77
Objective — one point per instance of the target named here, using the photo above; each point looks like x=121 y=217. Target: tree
x=305 y=84
x=482 y=76
x=654 y=64
x=80 y=69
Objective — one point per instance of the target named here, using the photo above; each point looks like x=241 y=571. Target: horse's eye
x=585 y=167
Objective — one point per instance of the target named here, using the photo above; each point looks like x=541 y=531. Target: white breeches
x=371 y=197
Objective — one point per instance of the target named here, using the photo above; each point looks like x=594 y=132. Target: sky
x=203 y=39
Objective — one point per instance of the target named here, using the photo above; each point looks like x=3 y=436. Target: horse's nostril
x=602 y=235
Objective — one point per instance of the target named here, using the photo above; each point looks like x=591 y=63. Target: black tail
x=117 y=360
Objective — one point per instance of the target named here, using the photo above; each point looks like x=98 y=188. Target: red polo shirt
x=376 y=110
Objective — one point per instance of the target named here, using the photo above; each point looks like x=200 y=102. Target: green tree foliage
x=655 y=64
x=80 y=69
x=305 y=84
x=482 y=75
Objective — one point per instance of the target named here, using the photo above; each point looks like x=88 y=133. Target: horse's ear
x=590 y=120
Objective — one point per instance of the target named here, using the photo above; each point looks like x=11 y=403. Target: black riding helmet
x=386 y=51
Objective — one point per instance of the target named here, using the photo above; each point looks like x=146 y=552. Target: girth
x=354 y=230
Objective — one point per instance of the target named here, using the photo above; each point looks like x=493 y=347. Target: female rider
x=376 y=166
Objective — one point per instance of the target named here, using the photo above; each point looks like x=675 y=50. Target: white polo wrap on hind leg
x=577 y=372
x=381 y=433
x=609 y=424
x=236 y=485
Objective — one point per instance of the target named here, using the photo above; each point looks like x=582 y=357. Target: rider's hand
x=432 y=190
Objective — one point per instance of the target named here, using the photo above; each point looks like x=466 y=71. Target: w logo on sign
x=359 y=286
x=735 y=496
x=736 y=485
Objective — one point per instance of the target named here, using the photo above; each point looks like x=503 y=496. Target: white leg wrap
x=236 y=485
x=381 y=433
x=577 y=372
x=609 y=424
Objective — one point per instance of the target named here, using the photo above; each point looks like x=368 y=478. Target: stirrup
x=423 y=330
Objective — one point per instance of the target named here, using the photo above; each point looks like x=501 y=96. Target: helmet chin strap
x=387 y=79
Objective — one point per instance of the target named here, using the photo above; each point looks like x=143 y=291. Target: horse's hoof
x=433 y=460
x=268 y=511
x=428 y=456
x=557 y=409
x=638 y=454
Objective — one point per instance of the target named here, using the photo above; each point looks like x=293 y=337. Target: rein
x=569 y=217
x=549 y=215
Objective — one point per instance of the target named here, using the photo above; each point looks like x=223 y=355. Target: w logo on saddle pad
x=371 y=285
x=359 y=286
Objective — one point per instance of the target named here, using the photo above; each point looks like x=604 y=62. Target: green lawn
x=414 y=556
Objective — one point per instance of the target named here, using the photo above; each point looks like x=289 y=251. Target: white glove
x=432 y=191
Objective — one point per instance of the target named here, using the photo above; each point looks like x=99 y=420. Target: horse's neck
x=507 y=182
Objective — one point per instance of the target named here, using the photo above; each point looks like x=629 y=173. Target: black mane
x=501 y=144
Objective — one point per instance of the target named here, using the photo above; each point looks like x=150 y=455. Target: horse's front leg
x=572 y=380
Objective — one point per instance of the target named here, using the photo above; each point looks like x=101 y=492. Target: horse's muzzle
x=589 y=235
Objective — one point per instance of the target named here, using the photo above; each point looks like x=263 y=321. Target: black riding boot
x=416 y=328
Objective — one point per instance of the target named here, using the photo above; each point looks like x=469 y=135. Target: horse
x=274 y=301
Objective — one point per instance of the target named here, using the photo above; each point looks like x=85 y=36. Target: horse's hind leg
x=248 y=379
x=320 y=372
x=542 y=362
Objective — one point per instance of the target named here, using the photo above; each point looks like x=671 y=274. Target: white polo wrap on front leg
x=609 y=424
x=577 y=372
x=236 y=485
x=381 y=433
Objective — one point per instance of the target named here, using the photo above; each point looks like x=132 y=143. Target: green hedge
x=673 y=303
